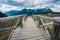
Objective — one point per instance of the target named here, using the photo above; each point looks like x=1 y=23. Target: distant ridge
x=28 y=11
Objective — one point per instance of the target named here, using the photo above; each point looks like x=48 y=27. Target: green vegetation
x=36 y=18
x=13 y=22
x=4 y=35
x=51 y=14
x=10 y=23
x=50 y=30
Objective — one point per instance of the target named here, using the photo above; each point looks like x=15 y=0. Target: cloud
x=15 y=4
x=55 y=7
x=26 y=3
x=6 y=7
x=18 y=0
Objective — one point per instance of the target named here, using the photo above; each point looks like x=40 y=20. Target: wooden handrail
x=8 y=30
x=47 y=24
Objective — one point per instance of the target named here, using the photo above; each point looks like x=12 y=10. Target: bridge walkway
x=29 y=31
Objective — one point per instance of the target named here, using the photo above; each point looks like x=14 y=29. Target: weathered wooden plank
x=29 y=31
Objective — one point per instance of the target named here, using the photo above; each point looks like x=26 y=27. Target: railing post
x=56 y=29
x=20 y=21
x=39 y=22
x=25 y=17
x=34 y=18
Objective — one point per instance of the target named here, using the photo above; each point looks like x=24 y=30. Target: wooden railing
x=55 y=33
x=8 y=31
x=55 y=26
x=47 y=24
x=19 y=22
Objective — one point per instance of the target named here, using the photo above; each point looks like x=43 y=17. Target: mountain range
x=28 y=11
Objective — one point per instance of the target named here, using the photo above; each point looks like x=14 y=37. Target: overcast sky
x=7 y=5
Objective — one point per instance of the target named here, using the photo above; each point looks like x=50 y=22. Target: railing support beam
x=56 y=29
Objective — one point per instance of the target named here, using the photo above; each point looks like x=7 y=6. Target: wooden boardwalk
x=29 y=31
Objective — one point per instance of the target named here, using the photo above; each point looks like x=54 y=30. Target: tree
x=2 y=15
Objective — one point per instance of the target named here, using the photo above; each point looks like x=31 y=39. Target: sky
x=7 y=5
